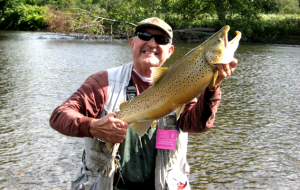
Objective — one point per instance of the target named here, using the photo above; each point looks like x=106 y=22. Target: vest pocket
x=100 y=146
x=84 y=179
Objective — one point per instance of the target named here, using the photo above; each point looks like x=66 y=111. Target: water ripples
x=253 y=145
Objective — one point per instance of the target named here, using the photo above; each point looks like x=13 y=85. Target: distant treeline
x=258 y=20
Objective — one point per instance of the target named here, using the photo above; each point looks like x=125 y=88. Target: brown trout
x=174 y=87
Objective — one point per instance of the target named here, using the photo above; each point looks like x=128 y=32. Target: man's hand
x=109 y=128
x=225 y=70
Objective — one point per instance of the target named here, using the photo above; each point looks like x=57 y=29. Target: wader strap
x=102 y=114
x=130 y=90
x=130 y=95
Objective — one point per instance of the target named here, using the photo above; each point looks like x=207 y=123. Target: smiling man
x=148 y=53
x=137 y=163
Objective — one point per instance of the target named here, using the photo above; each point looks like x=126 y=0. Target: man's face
x=148 y=54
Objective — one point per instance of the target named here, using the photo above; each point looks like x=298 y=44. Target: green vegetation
x=24 y=17
x=258 y=20
x=264 y=28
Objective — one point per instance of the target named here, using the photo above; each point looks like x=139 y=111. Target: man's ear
x=171 y=50
x=131 y=42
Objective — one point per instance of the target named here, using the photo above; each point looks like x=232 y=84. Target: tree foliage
x=243 y=8
x=288 y=6
x=23 y=17
x=178 y=13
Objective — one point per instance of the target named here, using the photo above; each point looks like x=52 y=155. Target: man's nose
x=152 y=42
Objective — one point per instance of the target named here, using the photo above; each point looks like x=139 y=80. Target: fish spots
x=184 y=80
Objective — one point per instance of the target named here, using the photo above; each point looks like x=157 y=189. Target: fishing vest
x=98 y=164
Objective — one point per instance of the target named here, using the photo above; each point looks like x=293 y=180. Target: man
x=90 y=112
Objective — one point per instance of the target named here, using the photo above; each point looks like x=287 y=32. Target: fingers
x=119 y=124
x=109 y=128
x=226 y=70
x=116 y=130
x=233 y=63
x=223 y=70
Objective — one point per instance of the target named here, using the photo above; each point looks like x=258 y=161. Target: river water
x=254 y=143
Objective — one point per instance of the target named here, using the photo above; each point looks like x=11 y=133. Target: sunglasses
x=159 y=39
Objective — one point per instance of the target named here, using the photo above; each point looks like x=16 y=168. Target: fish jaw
x=219 y=50
x=230 y=49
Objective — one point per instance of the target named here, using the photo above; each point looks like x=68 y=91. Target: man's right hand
x=109 y=128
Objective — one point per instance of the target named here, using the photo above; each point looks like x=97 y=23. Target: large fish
x=174 y=87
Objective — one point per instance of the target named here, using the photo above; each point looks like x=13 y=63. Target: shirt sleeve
x=198 y=116
x=72 y=118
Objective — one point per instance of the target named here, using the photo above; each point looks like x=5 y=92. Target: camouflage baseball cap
x=156 y=23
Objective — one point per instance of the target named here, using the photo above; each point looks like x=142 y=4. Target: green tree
x=4 y=4
x=244 y=8
x=288 y=6
x=23 y=17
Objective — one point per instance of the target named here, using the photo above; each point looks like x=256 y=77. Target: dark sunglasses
x=159 y=39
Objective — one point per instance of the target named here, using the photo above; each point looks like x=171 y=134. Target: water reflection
x=254 y=143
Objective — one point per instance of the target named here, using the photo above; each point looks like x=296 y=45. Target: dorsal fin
x=123 y=104
x=157 y=73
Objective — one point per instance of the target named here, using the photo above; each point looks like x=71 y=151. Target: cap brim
x=140 y=27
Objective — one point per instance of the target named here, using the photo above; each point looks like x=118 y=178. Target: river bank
x=182 y=38
x=295 y=40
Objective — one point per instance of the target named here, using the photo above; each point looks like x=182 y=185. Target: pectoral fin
x=179 y=110
x=215 y=77
x=141 y=127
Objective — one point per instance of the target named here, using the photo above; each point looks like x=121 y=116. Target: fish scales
x=181 y=83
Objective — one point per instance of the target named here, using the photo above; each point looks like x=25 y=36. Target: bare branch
x=112 y=20
x=84 y=22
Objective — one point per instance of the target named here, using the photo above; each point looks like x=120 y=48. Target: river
x=254 y=143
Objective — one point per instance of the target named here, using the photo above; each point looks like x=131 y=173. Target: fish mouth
x=229 y=47
x=227 y=28
x=234 y=41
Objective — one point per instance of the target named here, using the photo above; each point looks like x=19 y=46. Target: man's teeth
x=148 y=52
